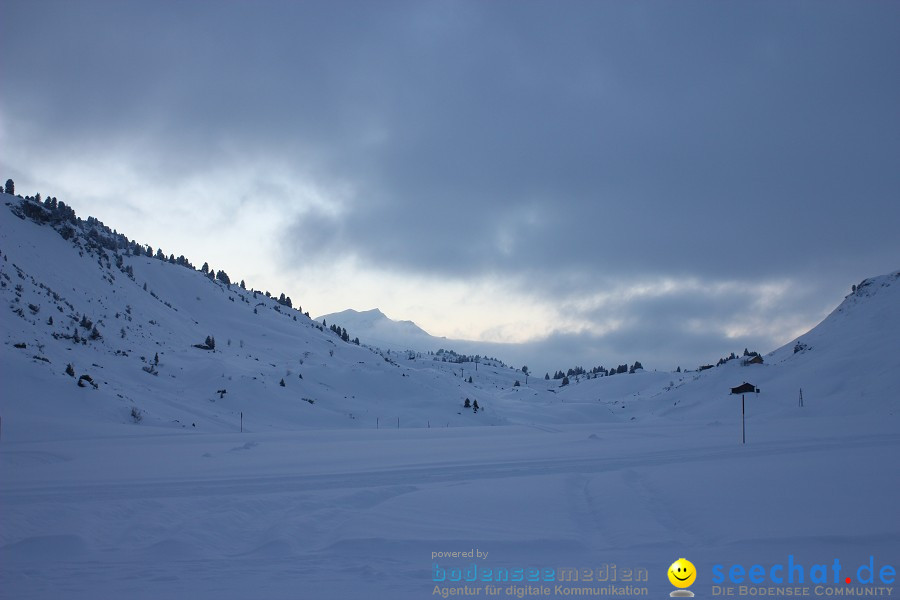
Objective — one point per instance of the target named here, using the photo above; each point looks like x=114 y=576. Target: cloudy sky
x=660 y=181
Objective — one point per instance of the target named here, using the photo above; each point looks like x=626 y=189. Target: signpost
x=742 y=389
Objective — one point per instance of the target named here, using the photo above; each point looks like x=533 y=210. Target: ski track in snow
x=439 y=473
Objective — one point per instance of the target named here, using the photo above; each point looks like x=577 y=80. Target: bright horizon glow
x=490 y=309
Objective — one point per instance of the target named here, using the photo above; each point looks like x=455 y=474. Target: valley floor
x=359 y=513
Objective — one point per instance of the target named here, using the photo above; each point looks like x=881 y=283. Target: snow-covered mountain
x=136 y=326
x=171 y=462
x=846 y=366
x=133 y=328
x=376 y=329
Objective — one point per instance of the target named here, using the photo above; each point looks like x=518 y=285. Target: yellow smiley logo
x=682 y=573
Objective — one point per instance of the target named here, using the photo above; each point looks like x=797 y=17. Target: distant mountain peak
x=376 y=328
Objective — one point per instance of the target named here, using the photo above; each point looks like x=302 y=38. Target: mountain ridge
x=137 y=327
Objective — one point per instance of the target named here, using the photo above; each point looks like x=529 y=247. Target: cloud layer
x=676 y=179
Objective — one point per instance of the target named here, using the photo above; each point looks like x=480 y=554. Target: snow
x=311 y=500
x=378 y=330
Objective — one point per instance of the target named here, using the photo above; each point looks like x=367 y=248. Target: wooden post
x=376 y=422
x=398 y=422
x=743 y=427
x=801 y=397
x=242 y=421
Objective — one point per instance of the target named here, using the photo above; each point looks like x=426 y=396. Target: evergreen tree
x=70 y=370
x=10 y=187
x=547 y=376
x=468 y=404
x=281 y=383
x=565 y=380
x=205 y=268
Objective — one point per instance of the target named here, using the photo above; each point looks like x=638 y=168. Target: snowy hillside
x=847 y=366
x=77 y=295
x=143 y=354
x=133 y=324
x=348 y=480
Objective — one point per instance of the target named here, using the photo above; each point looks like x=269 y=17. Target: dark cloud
x=581 y=145
x=644 y=141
